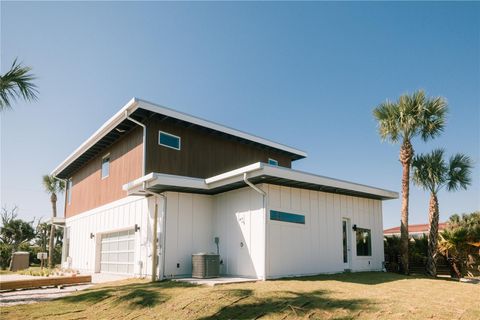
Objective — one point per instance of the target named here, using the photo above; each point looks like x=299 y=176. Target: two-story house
x=153 y=186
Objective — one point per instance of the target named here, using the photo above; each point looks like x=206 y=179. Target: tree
x=411 y=116
x=432 y=173
x=14 y=232
x=460 y=242
x=52 y=187
x=17 y=83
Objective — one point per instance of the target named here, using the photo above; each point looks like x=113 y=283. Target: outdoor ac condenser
x=205 y=265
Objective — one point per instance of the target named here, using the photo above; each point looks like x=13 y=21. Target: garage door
x=117 y=252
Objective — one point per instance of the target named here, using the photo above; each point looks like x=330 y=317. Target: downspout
x=144 y=140
x=65 y=181
x=265 y=220
x=154 y=237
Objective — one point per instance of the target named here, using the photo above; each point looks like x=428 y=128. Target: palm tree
x=16 y=83
x=432 y=173
x=411 y=116
x=52 y=186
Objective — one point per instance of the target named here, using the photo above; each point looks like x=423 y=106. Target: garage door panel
x=117 y=252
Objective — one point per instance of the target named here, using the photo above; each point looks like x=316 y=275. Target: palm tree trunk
x=406 y=155
x=51 y=245
x=433 y=217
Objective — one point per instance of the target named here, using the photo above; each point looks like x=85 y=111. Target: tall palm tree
x=16 y=83
x=52 y=187
x=432 y=173
x=411 y=116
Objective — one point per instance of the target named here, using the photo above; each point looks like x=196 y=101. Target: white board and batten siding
x=316 y=246
x=85 y=252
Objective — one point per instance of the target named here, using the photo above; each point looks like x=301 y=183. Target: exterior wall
x=121 y=214
x=202 y=154
x=189 y=230
x=239 y=219
x=316 y=247
x=90 y=191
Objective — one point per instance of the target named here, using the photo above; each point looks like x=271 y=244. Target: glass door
x=346 y=243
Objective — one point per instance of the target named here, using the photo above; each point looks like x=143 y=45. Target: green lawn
x=342 y=296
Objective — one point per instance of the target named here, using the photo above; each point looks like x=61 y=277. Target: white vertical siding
x=189 y=230
x=316 y=247
x=239 y=219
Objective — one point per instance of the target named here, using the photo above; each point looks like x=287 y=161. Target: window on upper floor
x=105 y=166
x=69 y=190
x=169 y=140
x=273 y=162
x=364 y=242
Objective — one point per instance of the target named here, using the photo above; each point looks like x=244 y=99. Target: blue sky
x=304 y=74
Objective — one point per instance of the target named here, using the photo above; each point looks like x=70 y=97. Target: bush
x=5 y=255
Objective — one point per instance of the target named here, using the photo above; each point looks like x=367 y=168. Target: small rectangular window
x=69 y=190
x=364 y=242
x=106 y=166
x=287 y=217
x=273 y=162
x=169 y=140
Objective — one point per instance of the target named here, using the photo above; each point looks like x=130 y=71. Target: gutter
x=265 y=221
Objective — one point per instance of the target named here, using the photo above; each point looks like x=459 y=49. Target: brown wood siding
x=90 y=190
x=202 y=154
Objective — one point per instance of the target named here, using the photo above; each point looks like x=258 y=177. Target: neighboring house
x=416 y=231
x=207 y=182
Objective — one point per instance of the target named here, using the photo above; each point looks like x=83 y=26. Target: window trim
x=272 y=160
x=171 y=135
x=101 y=166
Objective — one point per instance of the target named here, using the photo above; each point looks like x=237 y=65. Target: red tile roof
x=415 y=228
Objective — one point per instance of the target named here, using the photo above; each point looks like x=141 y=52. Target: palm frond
x=434 y=117
x=429 y=170
x=17 y=83
x=52 y=185
x=387 y=117
x=459 y=172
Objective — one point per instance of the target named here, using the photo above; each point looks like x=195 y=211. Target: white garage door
x=117 y=252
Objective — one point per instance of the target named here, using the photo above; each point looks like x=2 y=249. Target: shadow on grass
x=136 y=295
x=315 y=304
x=370 y=278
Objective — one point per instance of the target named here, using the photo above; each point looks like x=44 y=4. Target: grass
x=343 y=296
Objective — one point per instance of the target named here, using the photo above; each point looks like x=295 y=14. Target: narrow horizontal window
x=287 y=217
x=169 y=140
x=273 y=162
x=364 y=242
x=105 y=166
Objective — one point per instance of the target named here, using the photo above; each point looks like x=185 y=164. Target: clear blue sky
x=304 y=74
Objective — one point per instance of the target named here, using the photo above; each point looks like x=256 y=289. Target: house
x=153 y=185
x=415 y=231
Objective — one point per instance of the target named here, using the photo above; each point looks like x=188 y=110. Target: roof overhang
x=139 y=109
x=255 y=173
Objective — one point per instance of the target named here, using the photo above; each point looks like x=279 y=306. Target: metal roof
x=141 y=110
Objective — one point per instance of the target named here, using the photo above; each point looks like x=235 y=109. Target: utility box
x=205 y=265
x=20 y=261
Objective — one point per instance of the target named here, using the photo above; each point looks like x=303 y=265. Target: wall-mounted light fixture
x=137 y=227
x=354 y=227
x=92 y=235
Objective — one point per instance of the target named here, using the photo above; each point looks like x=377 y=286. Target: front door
x=346 y=243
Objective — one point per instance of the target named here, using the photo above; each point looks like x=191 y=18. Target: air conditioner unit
x=205 y=265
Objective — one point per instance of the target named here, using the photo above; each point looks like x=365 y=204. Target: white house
x=202 y=181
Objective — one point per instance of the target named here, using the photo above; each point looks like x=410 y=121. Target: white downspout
x=144 y=140
x=154 y=237
x=265 y=220
x=65 y=181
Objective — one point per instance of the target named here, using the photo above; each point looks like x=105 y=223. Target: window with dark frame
x=364 y=242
